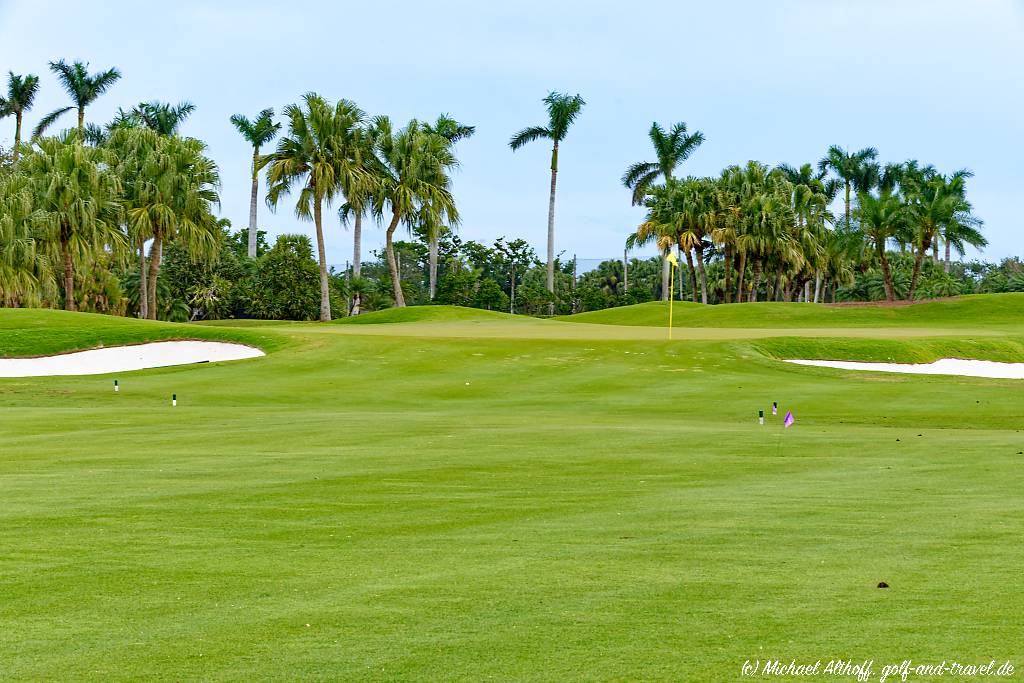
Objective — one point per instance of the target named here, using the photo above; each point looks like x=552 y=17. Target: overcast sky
x=934 y=80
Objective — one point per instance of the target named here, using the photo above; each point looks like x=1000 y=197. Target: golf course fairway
x=445 y=494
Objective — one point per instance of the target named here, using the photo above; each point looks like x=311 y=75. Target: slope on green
x=980 y=310
x=412 y=314
x=357 y=507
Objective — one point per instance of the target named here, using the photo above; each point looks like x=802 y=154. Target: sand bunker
x=944 y=366
x=126 y=358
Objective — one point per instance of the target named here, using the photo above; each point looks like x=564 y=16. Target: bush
x=287 y=283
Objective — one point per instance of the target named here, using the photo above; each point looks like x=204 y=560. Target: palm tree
x=83 y=88
x=25 y=272
x=74 y=197
x=452 y=131
x=881 y=218
x=413 y=183
x=671 y=149
x=258 y=133
x=562 y=111
x=21 y=93
x=851 y=170
x=321 y=156
x=164 y=118
x=170 y=188
x=359 y=201
x=940 y=208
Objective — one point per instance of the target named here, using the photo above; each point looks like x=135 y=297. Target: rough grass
x=997 y=310
x=375 y=507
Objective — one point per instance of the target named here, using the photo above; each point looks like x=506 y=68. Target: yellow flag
x=671 y=258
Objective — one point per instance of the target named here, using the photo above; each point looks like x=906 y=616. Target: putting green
x=451 y=496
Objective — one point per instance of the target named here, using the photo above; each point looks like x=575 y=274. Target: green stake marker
x=116 y=388
x=174 y=399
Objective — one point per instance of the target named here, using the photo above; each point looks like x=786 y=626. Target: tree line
x=773 y=233
x=120 y=218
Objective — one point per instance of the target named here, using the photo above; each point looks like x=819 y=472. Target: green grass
x=370 y=502
x=998 y=310
x=31 y=332
x=415 y=314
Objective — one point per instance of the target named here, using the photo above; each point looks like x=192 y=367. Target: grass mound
x=415 y=314
x=974 y=311
x=35 y=332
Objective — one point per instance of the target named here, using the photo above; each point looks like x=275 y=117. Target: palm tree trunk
x=935 y=250
x=727 y=265
x=81 y=119
x=325 y=288
x=389 y=248
x=807 y=291
x=890 y=292
x=699 y=251
x=143 y=281
x=551 y=226
x=847 y=204
x=17 y=136
x=626 y=271
x=756 y=281
x=742 y=271
x=693 y=275
x=817 y=286
x=512 y=291
x=252 y=201
x=357 y=258
x=433 y=249
x=680 y=283
x=918 y=260
x=945 y=265
x=154 y=272
x=69 y=273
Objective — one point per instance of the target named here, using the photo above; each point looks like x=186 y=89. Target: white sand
x=944 y=366
x=126 y=358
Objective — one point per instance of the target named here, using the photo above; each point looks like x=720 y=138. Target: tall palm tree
x=881 y=218
x=562 y=112
x=83 y=88
x=172 y=198
x=320 y=155
x=413 y=181
x=850 y=168
x=940 y=208
x=359 y=200
x=257 y=132
x=75 y=203
x=671 y=148
x=451 y=130
x=21 y=93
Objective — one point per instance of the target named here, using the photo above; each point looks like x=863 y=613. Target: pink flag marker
x=788 y=421
x=775 y=408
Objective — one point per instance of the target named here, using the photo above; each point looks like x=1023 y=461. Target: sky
x=933 y=80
